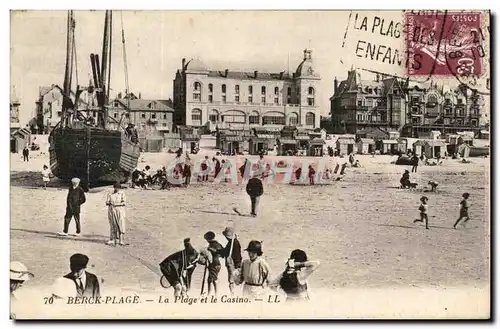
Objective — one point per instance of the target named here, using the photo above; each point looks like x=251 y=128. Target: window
x=395 y=92
x=250 y=99
x=237 y=89
x=237 y=98
x=263 y=99
x=214 y=116
x=164 y=116
x=127 y=115
x=459 y=122
x=59 y=113
x=234 y=117
x=143 y=115
x=360 y=102
x=415 y=99
x=263 y=90
x=293 y=120
x=289 y=95
x=310 y=119
x=370 y=90
x=163 y=124
x=196 y=117
x=153 y=116
x=448 y=111
x=461 y=112
x=432 y=99
x=310 y=96
x=447 y=101
x=223 y=89
x=210 y=98
x=250 y=90
x=474 y=122
x=115 y=104
x=254 y=119
x=360 y=117
x=459 y=101
x=115 y=115
x=196 y=93
x=276 y=91
x=276 y=100
x=273 y=120
x=210 y=88
x=223 y=98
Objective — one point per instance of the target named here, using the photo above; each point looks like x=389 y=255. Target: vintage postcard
x=250 y=164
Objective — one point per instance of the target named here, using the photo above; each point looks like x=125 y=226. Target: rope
x=74 y=54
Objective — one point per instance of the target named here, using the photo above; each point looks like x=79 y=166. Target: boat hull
x=93 y=155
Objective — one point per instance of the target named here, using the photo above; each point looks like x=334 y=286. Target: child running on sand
x=464 y=210
x=423 y=212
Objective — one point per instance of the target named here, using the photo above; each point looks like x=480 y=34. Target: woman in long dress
x=116 y=215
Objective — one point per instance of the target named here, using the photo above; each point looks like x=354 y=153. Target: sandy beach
x=360 y=228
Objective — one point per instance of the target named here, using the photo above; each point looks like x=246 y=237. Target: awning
x=266 y=136
x=436 y=143
x=341 y=140
x=302 y=138
x=233 y=138
x=389 y=141
x=368 y=141
x=287 y=141
x=317 y=141
x=190 y=138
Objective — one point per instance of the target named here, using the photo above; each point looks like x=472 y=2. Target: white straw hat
x=18 y=271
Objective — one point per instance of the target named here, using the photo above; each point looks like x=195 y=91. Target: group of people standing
x=253 y=273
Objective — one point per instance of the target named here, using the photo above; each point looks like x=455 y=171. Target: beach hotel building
x=225 y=99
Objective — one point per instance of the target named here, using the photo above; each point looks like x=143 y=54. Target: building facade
x=49 y=107
x=14 y=111
x=232 y=99
x=357 y=104
x=148 y=115
x=394 y=104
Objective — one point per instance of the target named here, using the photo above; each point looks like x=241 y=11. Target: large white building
x=230 y=99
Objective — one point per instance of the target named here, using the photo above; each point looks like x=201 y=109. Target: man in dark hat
x=214 y=267
x=255 y=189
x=87 y=284
x=232 y=253
x=74 y=201
x=179 y=267
x=254 y=272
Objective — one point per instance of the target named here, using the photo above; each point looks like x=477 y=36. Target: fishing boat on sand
x=85 y=146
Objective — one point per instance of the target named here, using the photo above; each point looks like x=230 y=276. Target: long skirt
x=116 y=217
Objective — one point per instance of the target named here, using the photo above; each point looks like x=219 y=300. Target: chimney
x=140 y=95
x=335 y=85
x=226 y=72
x=255 y=74
x=119 y=96
x=377 y=78
x=281 y=75
x=293 y=75
x=183 y=63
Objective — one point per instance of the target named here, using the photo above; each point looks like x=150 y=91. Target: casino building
x=225 y=99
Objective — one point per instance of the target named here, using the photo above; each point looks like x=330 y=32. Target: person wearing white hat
x=62 y=288
x=74 y=201
x=18 y=275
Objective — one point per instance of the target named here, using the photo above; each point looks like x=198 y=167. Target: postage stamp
x=314 y=172
x=446 y=44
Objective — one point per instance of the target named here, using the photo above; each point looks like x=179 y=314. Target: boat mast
x=125 y=69
x=67 y=104
x=104 y=70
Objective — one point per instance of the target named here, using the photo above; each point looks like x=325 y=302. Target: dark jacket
x=255 y=187
x=76 y=197
x=26 y=151
x=214 y=247
x=236 y=254
x=91 y=288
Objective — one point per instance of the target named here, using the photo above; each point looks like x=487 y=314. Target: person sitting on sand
x=405 y=179
x=357 y=164
x=433 y=185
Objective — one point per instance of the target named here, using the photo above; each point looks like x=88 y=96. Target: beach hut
x=231 y=144
x=484 y=134
x=190 y=142
x=19 y=139
x=402 y=145
x=390 y=146
x=287 y=146
x=418 y=147
x=303 y=138
x=316 y=147
x=433 y=148
x=345 y=145
x=366 y=146
x=465 y=139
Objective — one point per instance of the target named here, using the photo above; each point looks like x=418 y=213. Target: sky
x=156 y=42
